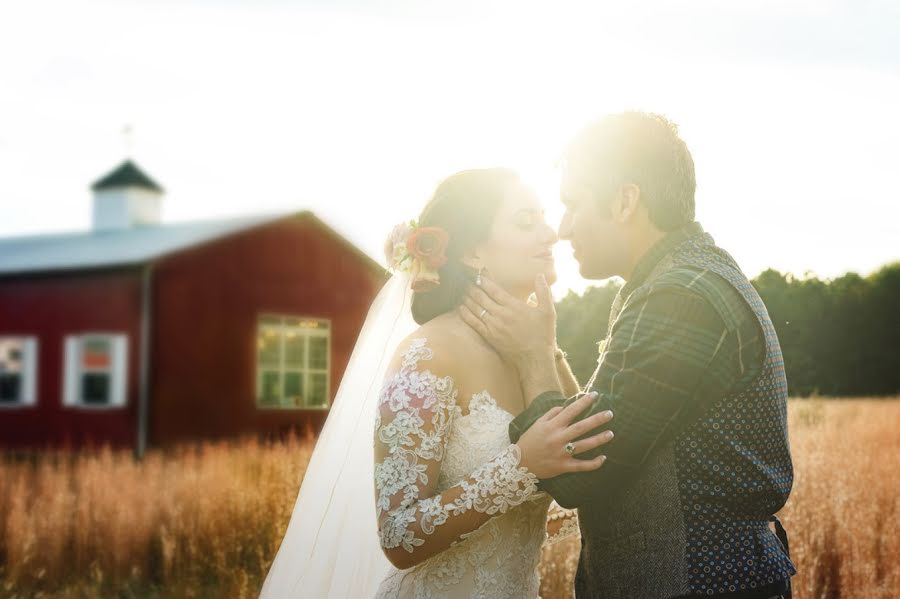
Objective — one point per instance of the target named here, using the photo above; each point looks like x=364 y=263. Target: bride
x=455 y=510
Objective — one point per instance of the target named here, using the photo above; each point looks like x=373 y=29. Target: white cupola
x=126 y=198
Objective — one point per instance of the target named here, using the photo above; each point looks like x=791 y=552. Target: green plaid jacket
x=674 y=345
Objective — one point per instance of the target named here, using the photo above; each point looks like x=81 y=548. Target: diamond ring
x=483 y=312
x=570 y=448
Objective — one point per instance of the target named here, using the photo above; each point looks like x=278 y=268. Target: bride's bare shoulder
x=440 y=342
x=447 y=349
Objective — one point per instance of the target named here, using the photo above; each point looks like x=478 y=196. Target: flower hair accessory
x=420 y=251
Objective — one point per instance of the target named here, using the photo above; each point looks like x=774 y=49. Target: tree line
x=839 y=337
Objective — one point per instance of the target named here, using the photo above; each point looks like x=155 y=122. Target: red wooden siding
x=206 y=303
x=50 y=307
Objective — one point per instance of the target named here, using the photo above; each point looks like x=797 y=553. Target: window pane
x=96 y=353
x=11 y=355
x=294 y=345
x=10 y=369
x=293 y=389
x=307 y=323
x=318 y=352
x=9 y=387
x=318 y=390
x=267 y=343
x=95 y=388
x=270 y=394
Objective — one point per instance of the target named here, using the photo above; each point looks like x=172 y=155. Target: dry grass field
x=205 y=521
x=843 y=516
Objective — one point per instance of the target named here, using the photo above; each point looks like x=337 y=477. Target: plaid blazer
x=693 y=372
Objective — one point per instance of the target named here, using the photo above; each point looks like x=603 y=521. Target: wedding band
x=570 y=448
x=483 y=312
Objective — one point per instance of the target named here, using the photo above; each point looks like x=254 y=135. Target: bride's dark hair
x=464 y=205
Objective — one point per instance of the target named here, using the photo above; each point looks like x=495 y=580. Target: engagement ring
x=570 y=448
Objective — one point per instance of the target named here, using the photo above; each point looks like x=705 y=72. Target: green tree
x=838 y=337
x=582 y=321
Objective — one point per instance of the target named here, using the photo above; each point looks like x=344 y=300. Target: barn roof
x=101 y=249
x=125 y=175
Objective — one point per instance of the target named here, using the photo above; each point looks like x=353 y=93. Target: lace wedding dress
x=434 y=464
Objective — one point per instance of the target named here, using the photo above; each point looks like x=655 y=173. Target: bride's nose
x=549 y=235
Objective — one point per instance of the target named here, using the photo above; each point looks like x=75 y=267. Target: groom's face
x=597 y=239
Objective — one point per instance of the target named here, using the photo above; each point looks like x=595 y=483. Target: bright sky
x=356 y=110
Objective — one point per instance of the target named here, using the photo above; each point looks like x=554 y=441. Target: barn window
x=293 y=358
x=18 y=367
x=95 y=371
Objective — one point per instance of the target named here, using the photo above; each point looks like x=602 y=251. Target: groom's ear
x=625 y=206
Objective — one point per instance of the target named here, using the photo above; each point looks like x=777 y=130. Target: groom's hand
x=518 y=331
x=523 y=334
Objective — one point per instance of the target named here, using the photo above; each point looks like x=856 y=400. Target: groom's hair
x=643 y=149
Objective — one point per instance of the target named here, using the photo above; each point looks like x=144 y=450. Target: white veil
x=331 y=547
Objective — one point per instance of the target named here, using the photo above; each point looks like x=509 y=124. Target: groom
x=691 y=368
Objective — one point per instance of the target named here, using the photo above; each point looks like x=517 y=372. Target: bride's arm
x=413 y=423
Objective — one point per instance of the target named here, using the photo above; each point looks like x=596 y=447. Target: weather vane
x=128 y=139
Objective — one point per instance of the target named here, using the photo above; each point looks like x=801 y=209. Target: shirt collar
x=657 y=252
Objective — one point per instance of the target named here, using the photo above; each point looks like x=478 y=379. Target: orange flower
x=428 y=244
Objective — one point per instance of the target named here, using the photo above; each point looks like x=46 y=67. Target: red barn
x=139 y=333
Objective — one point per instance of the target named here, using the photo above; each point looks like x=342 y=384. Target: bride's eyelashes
x=525 y=226
x=524 y=220
x=527 y=220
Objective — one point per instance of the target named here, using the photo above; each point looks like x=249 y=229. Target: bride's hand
x=543 y=445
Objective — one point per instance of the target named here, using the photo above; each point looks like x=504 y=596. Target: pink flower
x=395 y=245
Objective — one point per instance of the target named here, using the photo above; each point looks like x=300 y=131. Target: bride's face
x=521 y=243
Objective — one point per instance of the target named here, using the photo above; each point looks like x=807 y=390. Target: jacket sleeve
x=668 y=352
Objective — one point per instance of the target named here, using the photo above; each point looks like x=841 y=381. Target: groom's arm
x=675 y=346
x=539 y=406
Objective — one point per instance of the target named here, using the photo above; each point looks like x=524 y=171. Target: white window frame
x=28 y=390
x=306 y=371
x=73 y=371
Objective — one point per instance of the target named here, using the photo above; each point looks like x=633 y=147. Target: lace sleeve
x=561 y=524
x=416 y=411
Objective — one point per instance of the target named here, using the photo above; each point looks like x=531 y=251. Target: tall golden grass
x=843 y=515
x=199 y=521
x=206 y=520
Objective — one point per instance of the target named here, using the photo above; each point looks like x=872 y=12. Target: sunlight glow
x=357 y=114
